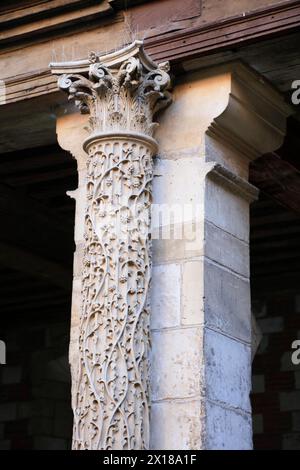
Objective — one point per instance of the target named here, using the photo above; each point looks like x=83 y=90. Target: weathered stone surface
x=227 y=301
x=175 y=249
x=226 y=250
x=227 y=429
x=122 y=92
x=226 y=210
x=227 y=362
x=180 y=182
x=176 y=360
x=198 y=98
x=192 y=293
x=166 y=296
x=227 y=155
x=176 y=425
x=214 y=268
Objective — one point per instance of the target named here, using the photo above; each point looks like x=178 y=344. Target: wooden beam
x=195 y=42
x=49 y=20
x=180 y=47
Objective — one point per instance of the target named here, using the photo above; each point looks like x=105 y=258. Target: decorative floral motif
x=125 y=98
x=111 y=393
x=112 y=400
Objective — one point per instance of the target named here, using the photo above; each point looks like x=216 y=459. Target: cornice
x=264 y=112
x=121 y=91
x=113 y=59
x=220 y=35
x=180 y=47
x=41 y=19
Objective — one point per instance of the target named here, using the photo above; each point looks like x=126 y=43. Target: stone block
x=179 y=183
x=176 y=425
x=227 y=302
x=226 y=250
x=227 y=210
x=176 y=360
x=165 y=296
x=179 y=249
x=227 y=370
x=192 y=293
x=76 y=303
x=227 y=429
x=198 y=99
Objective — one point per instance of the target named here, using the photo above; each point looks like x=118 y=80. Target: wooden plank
x=46 y=25
x=197 y=41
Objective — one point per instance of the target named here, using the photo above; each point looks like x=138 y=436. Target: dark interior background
x=275 y=292
x=36 y=255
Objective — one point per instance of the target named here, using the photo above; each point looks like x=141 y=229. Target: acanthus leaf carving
x=126 y=96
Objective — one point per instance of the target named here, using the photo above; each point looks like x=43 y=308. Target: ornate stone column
x=122 y=92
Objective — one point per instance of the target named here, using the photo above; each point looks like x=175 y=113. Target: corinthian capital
x=121 y=91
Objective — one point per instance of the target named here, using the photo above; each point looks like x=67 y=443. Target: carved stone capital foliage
x=122 y=92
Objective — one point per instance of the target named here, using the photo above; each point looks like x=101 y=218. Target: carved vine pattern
x=111 y=410
x=111 y=395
